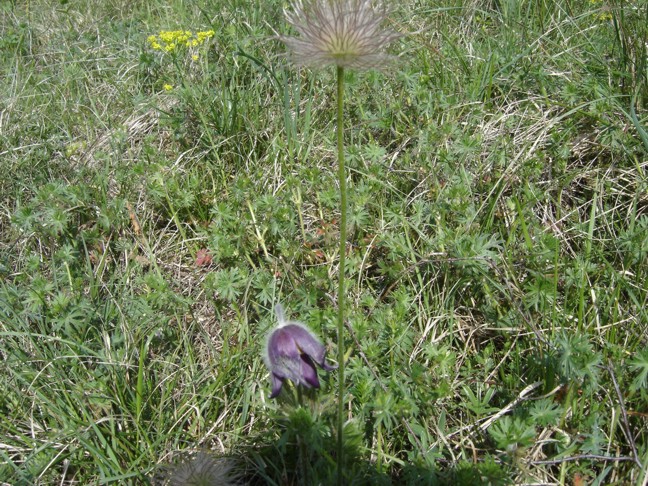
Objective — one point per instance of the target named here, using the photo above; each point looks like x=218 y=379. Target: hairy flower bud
x=292 y=351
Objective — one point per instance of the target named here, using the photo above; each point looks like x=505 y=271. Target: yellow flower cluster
x=605 y=14
x=171 y=40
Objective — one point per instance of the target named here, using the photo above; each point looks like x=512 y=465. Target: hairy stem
x=342 y=273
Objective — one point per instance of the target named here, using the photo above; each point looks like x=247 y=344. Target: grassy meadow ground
x=155 y=206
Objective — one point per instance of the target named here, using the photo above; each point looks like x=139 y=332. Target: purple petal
x=309 y=345
x=327 y=367
x=277 y=382
x=309 y=373
x=282 y=345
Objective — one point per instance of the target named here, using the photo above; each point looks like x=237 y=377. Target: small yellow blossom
x=195 y=57
x=168 y=36
x=604 y=12
x=203 y=36
x=167 y=87
x=173 y=40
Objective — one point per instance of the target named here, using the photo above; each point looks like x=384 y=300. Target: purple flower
x=292 y=351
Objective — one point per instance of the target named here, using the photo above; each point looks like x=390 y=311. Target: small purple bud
x=292 y=351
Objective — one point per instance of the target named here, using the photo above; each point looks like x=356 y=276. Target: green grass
x=498 y=229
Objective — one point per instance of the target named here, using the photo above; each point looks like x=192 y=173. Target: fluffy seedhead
x=203 y=469
x=346 y=33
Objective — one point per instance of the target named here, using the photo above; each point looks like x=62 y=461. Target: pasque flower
x=292 y=351
x=345 y=33
x=203 y=469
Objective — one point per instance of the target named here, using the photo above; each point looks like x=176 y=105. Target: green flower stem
x=300 y=440
x=341 y=273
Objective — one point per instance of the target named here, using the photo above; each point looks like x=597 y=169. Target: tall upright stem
x=341 y=273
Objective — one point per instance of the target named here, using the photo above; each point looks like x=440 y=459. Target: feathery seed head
x=346 y=33
x=203 y=469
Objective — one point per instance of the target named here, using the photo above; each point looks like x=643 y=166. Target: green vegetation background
x=154 y=206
